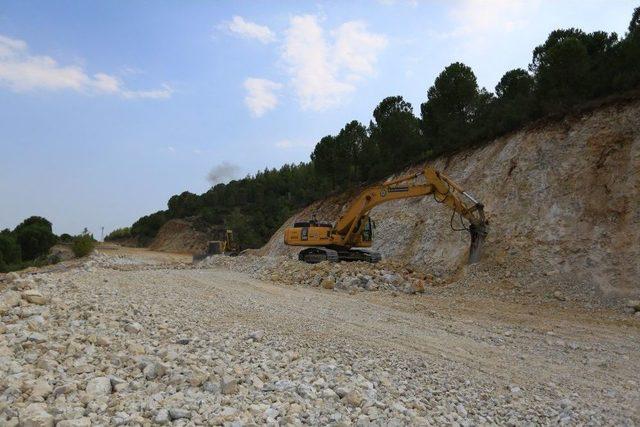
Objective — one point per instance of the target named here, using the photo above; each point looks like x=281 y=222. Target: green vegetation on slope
x=570 y=68
x=120 y=233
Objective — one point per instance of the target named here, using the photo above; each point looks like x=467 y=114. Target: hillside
x=562 y=199
x=181 y=235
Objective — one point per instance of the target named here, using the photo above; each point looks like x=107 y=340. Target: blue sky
x=109 y=108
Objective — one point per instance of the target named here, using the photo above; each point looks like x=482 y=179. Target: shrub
x=35 y=240
x=9 y=249
x=34 y=220
x=41 y=261
x=119 y=233
x=83 y=245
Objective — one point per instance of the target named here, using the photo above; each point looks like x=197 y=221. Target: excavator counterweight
x=353 y=231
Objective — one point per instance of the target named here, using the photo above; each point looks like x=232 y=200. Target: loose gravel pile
x=126 y=341
x=479 y=280
x=352 y=276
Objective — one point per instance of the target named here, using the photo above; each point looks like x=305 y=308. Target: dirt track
x=408 y=359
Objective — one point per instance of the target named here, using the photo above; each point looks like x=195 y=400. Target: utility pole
x=102 y=233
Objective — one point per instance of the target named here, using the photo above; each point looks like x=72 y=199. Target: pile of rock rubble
x=353 y=276
x=395 y=276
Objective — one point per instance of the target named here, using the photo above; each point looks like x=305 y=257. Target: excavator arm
x=448 y=192
x=424 y=183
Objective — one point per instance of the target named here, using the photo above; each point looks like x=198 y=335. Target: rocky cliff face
x=562 y=198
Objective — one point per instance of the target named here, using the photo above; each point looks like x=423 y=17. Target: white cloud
x=22 y=71
x=250 y=30
x=357 y=49
x=286 y=144
x=479 y=20
x=261 y=95
x=9 y=46
x=165 y=92
x=106 y=83
x=323 y=72
x=313 y=74
x=223 y=172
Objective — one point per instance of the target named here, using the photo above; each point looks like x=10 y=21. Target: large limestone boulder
x=33 y=296
x=8 y=299
x=36 y=415
x=99 y=386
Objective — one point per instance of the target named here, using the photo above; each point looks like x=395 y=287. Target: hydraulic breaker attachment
x=477 y=230
x=478 y=233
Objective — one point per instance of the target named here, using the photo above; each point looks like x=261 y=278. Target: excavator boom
x=354 y=228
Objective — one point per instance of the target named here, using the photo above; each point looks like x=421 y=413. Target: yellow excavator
x=225 y=244
x=354 y=229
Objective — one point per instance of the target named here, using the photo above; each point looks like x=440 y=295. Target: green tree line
x=569 y=69
x=29 y=244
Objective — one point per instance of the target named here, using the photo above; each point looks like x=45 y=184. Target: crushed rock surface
x=136 y=339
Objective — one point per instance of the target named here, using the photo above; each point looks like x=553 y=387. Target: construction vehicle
x=225 y=244
x=354 y=229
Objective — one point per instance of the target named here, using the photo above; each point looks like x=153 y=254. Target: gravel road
x=136 y=339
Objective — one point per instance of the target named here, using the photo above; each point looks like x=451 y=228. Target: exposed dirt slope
x=563 y=200
x=179 y=235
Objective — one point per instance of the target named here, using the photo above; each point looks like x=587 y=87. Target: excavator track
x=359 y=255
x=316 y=255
